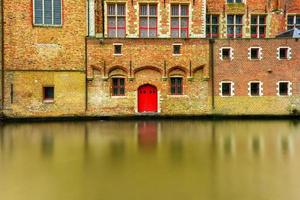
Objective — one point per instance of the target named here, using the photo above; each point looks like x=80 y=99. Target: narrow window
x=148 y=20
x=226 y=53
x=212 y=26
x=254 y=53
x=234 y=26
x=283 y=53
x=48 y=93
x=234 y=1
x=226 y=89
x=293 y=21
x=116 y=20
x=284 y=88
x=118 y=86
x=11 y=93
x=179 y=21
x=47 y=12
x=258 y=26
x=255 y=89
x=118 y=49
x=176 y=49
x=176 y=86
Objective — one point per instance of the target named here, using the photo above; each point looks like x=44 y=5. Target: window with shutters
x=179 y=21
x=234 y=26
x=47 y=12
x=293 y=21
x=148 y=20
x=258 y=26
x=118 y=86
x=176 y=86
x=212 y=26
x=116 y=20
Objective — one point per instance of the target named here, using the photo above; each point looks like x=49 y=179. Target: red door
x=147 y=98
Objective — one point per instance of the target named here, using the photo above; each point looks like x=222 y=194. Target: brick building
x=176 y=57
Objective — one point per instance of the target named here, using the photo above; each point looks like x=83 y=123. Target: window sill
x=47 y=26
x=226 y=96
x=119 y=97
x=177 y=96
x=177 y=54
x=48 y=101
x=118 y=54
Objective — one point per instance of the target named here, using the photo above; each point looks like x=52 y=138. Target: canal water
x=150 y=160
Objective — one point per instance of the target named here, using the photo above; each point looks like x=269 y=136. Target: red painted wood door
x=147 y=98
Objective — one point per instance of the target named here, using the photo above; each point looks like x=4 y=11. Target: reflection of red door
x=147 y=135
x=147 y=98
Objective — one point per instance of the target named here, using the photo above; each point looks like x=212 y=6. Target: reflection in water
x=187 y=164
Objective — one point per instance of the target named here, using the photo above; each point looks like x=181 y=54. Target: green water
x=150 y=160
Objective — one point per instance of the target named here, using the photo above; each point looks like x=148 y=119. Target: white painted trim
x=259 y=53
x=231 y=53
x=232 y=90
x=91 y=15
x=290 y=88
x=260 y=88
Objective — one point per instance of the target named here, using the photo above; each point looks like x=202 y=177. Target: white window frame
x=148 y=17
x=231 y=53
x=118 y=44
x=258 y=24
x=294 y=20
x=235 y=25
x=260 y=88
x=259 y=53
x=290 y=88
x=180 y=16
x=289 y=52
x=43 y=14
x=116 y=16
x=232 y=90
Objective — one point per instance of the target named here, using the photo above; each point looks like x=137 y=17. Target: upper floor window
x=258 y=26
x=176 y=86
x=47 y=12
x=212 y=26
x=179 y=21
x=148 y=20
x=118 y=86
x=116 y=20
x=293 y=21
x=234 y=1
x=234 y=26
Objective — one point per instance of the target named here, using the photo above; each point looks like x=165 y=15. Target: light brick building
x=177 y=57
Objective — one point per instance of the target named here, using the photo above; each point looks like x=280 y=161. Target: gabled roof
x=292 y=33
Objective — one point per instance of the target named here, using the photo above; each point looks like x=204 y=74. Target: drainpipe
x=212 y=72
x=2 y=54
x=102 y=15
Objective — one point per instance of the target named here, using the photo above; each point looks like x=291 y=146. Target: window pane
x=111 y=32
x=239 y=19
x=230 y=29
x=290 y=20
x=230 y=19
x=184 y=10
x=122 y=81
x=111 y=22
x=143 y=33
x=143 y=22
x=153 y=22
x=262 y=19
x=184 y=22
x=47 y=11
x=144 y=10
x=111 y=9
x=226 y=89
x=184 y=33
x=175 y=10
x=208 y=29
x=38 y=11
x=208 y=19
x=254 y=20
x=121 y=33
x=152 y=33
x=215 y=20
x=298 y=20
x=175 y=33
x=215 y=29
x=152 y=9
x=121 y=9
x=283 y=88
x=121 y=22
x=57 y=12
x=175 y=22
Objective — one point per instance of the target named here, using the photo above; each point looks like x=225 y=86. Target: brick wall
x=269 y=70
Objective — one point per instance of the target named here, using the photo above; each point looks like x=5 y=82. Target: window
x=255 y=88
x=234 y=1
x=118 y=49
x=116 y=20
x=176 y=86
x=284 y=53
x=176 y=49
x=212 y=26
x=293 y=21
x=48 y=93
x=118 y=86
x=255 y=53
x=226 y=53
x=226 y=89
x=284 y=88
x=234 y=26
x=148 y=21
x=258 y=26
x=47 y=12
x=179 y=21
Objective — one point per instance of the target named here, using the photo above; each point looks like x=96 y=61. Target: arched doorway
x=147 y=98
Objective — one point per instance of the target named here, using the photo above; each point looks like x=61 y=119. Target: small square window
x=48 y=93
x=255 y=89
x=283 y=88
x=226 y=54
x=117 y=49
x=254 y=53
x=176 y=49
x=226 y=89
x=283 y=53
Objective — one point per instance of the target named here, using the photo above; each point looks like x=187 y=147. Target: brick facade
x=78 y=59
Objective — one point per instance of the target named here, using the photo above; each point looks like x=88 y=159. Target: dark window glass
x=212 y=26
x=48 y=93
x=47 y=12
x=258 y=26
x=226 y=89
x=254 y=53
x=255 y=89
x=176 y=86
x=176 y=49
x=283 y=89
x=226 y=54
x=118 y=49
x=283 y=53
x=118 y=86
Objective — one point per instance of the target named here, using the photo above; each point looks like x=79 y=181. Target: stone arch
x=136 y=70
x=117 y=71
x=177 y=70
